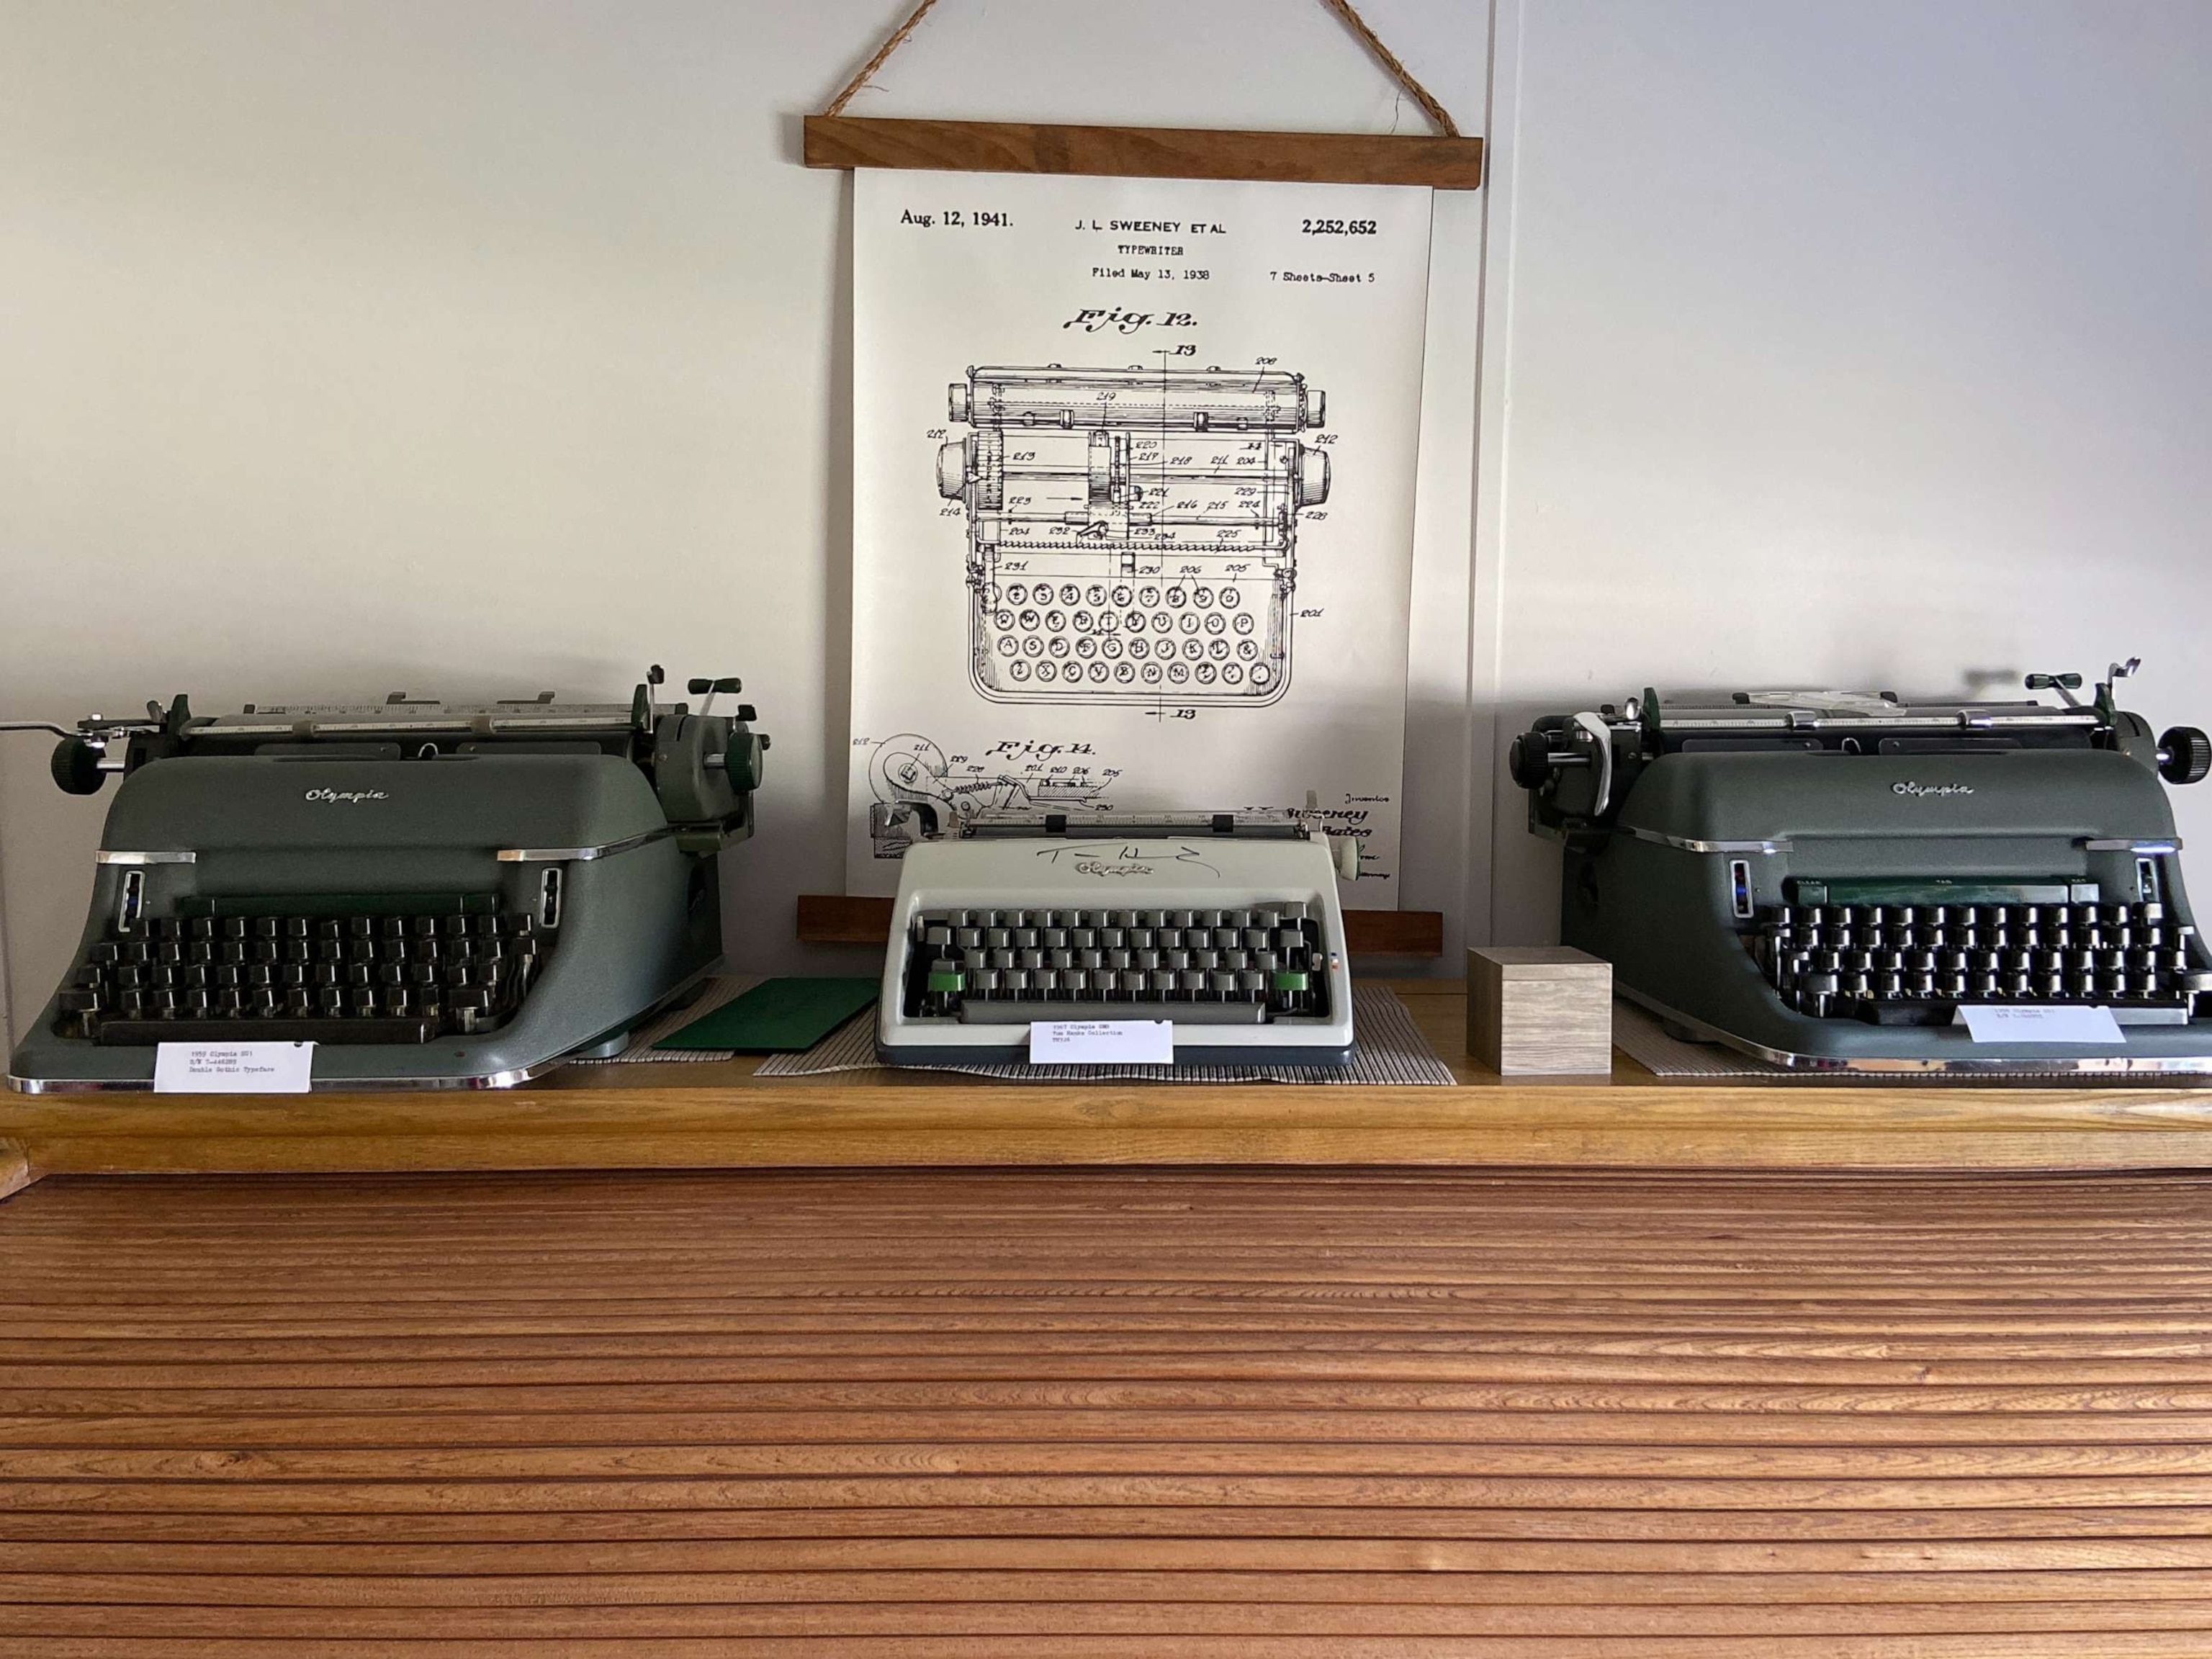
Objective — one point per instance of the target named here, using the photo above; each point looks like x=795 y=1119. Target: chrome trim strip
x=170 y=857
x=34 y=1085
x=581 y=855
x=2086 y=1066
x=2101 y=844
x=31 y=1086
x=1685 y=844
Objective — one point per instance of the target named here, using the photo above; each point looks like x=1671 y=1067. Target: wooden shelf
x=710 y=1114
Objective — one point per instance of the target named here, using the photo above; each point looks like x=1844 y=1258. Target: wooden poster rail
x=1446 y=160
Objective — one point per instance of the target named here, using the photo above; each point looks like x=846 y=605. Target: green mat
x=780 y=1016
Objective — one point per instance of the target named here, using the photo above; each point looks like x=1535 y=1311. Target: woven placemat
x=720 y=990
x=1389 y=1049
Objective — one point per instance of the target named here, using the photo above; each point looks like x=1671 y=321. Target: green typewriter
x=435 y=895
x=1850 y=883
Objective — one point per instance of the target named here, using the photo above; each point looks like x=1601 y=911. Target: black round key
x=297 y=1004
x=361 y=1000
x=327 y=927
x=357 y=974
x=230 y=927
x=423 y=973
x=331 y=1000
x=324 y=973
x=264 y=926
x=227 y=975
x=391 y=973
x=392 y=927
x=295 y=927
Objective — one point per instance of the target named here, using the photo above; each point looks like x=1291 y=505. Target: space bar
x=1182 y=1013
x=385 y=1029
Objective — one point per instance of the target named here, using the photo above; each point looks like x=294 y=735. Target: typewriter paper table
x=719 y=1115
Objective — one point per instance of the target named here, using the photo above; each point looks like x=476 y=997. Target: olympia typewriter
x=1226 y=925
x=1826 y=881
x=435 y=895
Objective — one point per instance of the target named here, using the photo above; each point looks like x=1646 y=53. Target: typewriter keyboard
x=243 y=971
x=1912 y=965
x=1241 y=966
x=1216 y=640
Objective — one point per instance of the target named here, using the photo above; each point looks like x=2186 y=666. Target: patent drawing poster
x=1134 y=472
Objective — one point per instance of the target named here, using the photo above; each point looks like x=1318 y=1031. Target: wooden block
x=1538 y=1009
x=15 y=1170
x=1344 y=158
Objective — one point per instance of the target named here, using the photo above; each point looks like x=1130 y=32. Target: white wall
x=1866 y=343
x=485 y=348
x=481 y=348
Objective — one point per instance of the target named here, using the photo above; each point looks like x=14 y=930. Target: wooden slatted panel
x=1105 y=1413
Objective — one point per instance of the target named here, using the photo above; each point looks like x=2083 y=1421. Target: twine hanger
x=1421 y=94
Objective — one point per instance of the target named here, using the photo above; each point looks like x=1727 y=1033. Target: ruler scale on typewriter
x=1225 y=925
x=437 y=896
x=1827 y=880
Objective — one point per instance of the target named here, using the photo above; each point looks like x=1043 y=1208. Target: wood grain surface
x=1143 y=1411
x=720 y=1114
x=1312 y=158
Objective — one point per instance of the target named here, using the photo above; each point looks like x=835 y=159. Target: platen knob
x=2184 y=755
x=1530 y=760
x=76 y=767
x=1312 y=481
x=952 y=469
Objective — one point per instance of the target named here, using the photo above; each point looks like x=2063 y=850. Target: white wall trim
x=1494 y=406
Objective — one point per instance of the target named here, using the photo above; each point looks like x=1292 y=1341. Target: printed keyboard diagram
x=1132 y=532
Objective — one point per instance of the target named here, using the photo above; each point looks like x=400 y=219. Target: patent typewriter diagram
x=1226 y=925
x=437 y=896
x=1826 y=880
x=1132 y=532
